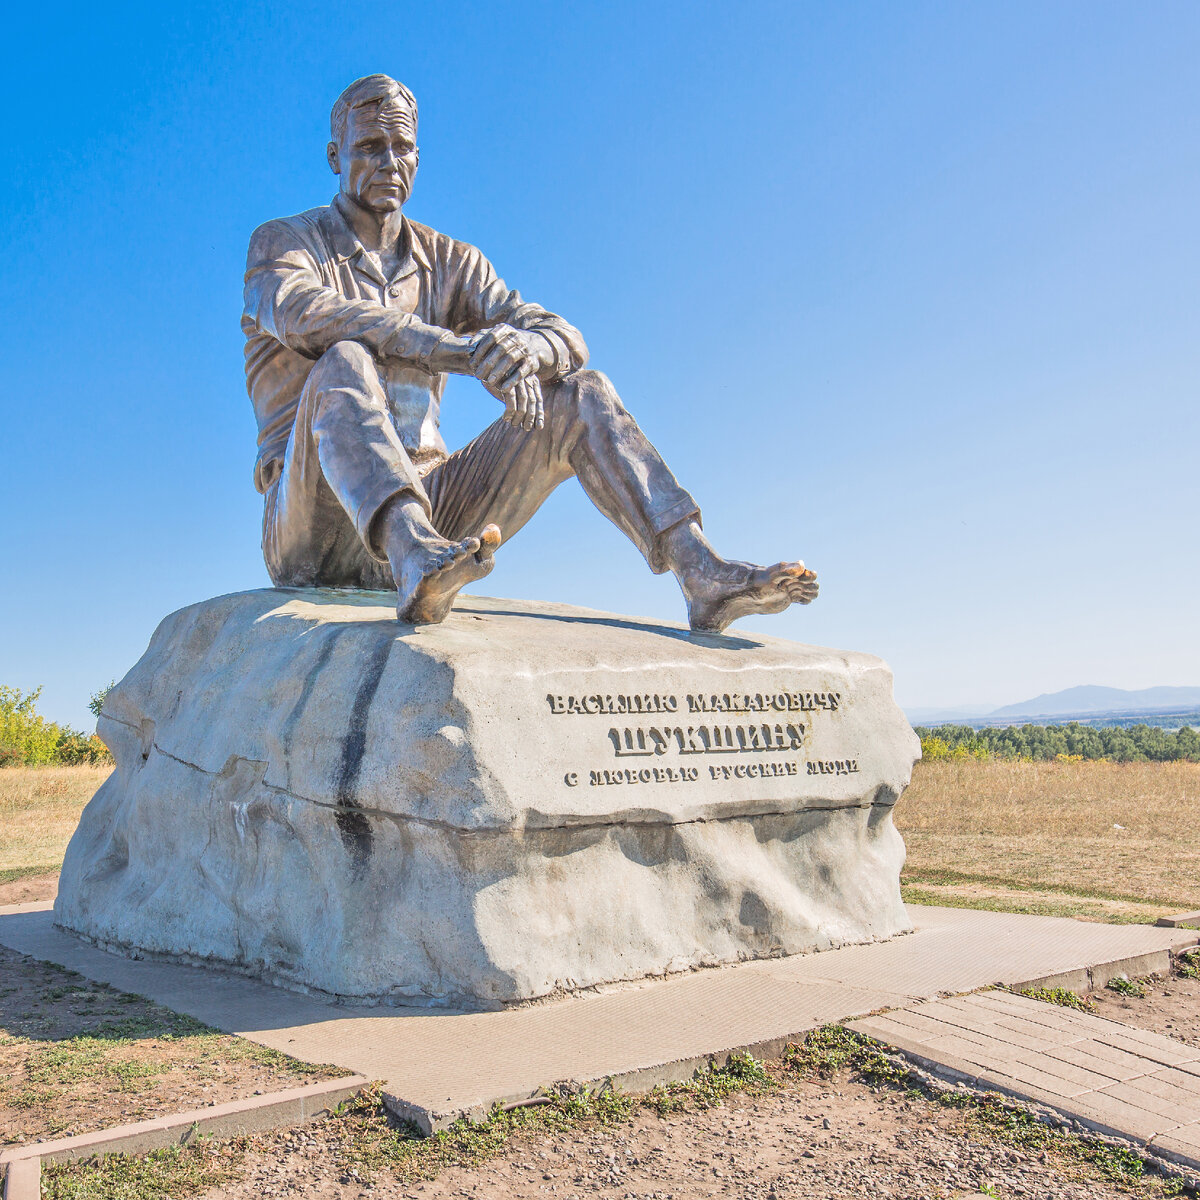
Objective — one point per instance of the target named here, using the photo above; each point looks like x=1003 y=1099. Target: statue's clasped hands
x=506 y=361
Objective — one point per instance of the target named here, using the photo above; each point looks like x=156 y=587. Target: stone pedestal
x=525 y=800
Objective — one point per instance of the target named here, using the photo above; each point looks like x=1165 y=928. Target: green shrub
x=28 y=739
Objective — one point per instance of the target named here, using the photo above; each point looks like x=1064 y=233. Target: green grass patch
x=168 y=1174
x=1063 y=997
x=12 y=874
x=834 y=1048
x=741 y=1074
x=915 y=894
x=945 y=875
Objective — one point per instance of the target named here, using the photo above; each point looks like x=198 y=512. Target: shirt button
x=394 y=290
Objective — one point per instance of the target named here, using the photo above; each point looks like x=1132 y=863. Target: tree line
x=1072 y=742
x=27 y=739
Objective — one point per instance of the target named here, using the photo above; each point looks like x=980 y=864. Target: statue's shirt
x=311 y=283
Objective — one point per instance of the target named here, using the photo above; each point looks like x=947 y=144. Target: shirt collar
x=347 y=247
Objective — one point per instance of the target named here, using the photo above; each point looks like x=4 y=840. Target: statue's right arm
x=286 y=298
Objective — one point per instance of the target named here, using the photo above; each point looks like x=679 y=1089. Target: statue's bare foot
x=434 y=570
x=737 y=589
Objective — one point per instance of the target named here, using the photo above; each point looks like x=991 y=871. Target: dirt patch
x=1170 y=1007
x=28 y=888
x=77 y=1056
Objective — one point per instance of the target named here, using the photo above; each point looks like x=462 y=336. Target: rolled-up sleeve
x=481 y=300
x=286 y=298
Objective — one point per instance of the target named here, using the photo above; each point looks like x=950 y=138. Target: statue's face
x=377 y=156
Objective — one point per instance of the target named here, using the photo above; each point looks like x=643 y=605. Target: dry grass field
x=1115 y=841
x=39 y=809
x=1112 y=841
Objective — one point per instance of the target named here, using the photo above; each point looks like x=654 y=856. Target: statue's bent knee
x=595 y=396
x=348 y=355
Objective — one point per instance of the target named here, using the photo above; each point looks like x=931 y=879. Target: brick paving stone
x=1155 y=1048
x=1134 y=1093
x=1105 y=1060
x=1174 y=1085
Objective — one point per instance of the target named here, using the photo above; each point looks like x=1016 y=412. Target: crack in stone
x=503 y=831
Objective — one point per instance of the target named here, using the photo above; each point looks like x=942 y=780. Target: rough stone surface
x=526 y=799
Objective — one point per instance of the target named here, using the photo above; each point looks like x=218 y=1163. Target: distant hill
x=1089 y=704
x=1093 y=699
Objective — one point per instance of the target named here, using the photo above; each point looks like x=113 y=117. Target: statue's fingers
x=507 y=371
x=530 y=393
x=486 y=366
x=484 y=346
x=520 y=370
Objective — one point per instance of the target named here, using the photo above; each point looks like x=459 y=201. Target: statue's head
x=374 y=142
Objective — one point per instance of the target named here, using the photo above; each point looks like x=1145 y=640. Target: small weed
x=834 y=1048
x=1187 y=963
x=988 y=1189
x=1063 y=997
x=740 y=1074
x=1124 y=986
x=60 y=993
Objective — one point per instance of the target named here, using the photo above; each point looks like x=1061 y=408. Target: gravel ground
x=810 y=1139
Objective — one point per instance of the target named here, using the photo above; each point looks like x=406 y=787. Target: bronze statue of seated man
x=354 y=315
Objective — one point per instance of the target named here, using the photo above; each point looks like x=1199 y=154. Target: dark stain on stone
x=310 y=680
x=353 y=825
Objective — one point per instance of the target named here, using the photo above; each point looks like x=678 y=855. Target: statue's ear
x=331 y=153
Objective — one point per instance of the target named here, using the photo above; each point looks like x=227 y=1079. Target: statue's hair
x=371 y=90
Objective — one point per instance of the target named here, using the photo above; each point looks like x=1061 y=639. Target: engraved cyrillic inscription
x=752 y=749
x=696 y=702
x=651 y=741
x=837 y=766
x=647 y=702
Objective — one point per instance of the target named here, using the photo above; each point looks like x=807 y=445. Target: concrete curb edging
x=22 y=1164
x=1093 y=978
x=640 y=1079
x=23 y=1179
x=1187 y=920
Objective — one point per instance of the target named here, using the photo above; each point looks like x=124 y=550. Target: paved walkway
x=439 y=1065
x=1113 y=1078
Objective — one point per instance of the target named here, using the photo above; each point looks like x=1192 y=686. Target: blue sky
x=907 y=290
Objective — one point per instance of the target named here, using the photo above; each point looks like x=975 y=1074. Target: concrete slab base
x=439 y=1066
x=1116 y=1080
